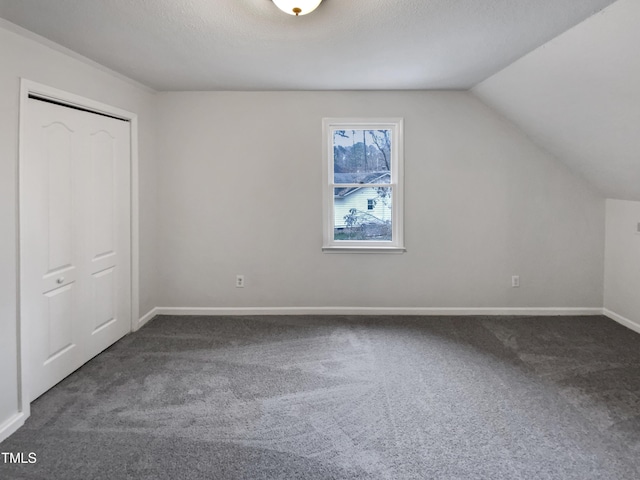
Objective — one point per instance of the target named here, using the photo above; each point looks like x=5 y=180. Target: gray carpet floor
x=346 y=398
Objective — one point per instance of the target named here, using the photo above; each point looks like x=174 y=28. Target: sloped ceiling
x=578 y=96
x=345 y=44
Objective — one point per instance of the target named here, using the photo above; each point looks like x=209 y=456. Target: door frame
x=45 y=92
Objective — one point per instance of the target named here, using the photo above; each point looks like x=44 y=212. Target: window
x=363 y=185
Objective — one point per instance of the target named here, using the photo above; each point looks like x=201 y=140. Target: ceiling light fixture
x=297 y=7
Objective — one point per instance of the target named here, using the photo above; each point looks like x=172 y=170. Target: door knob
x=60 y=280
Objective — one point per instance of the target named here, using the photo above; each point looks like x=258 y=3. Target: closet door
x=75 y=238
x=107 y=232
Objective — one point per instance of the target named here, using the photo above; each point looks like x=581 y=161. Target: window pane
x=362 y=156
x=353 y=220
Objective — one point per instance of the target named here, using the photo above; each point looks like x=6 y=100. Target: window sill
x=363 y=249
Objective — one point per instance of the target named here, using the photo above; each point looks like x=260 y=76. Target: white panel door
x=75 y=238
x=108 y=232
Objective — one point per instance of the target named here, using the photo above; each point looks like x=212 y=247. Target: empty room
x=319 y=239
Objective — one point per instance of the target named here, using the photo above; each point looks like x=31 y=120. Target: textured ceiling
x=345 y=44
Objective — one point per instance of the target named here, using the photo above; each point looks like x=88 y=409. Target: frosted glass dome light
x=297 y=7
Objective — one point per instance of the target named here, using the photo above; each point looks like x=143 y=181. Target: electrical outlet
x=515 y=281
x=239 y=281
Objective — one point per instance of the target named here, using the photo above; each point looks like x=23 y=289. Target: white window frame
x=396 y=245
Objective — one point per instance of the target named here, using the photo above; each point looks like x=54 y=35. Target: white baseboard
x=228 y=311
x=11 y=425
x=622 y=320
x=146 y=317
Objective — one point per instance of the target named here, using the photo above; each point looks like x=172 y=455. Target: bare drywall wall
x=24 y=57
x=578 y=97
x=622 y=262
x=241 y=184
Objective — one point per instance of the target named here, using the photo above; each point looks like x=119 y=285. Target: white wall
x=622 y=263
x=578 y=97
x=241 y=182
x=24 y=57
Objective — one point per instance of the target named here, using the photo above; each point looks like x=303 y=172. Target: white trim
x=23 y=32
x=360 y=249
x=12 y=424
x=135 y=225
x=365 y=249
x=622 y=320
x=68 y=98
x=396 y=184
x=28 y=87
x=24 y=407
x=146 y=317
x=373 y=311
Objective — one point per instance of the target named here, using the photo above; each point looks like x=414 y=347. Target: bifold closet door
x=75 y=204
